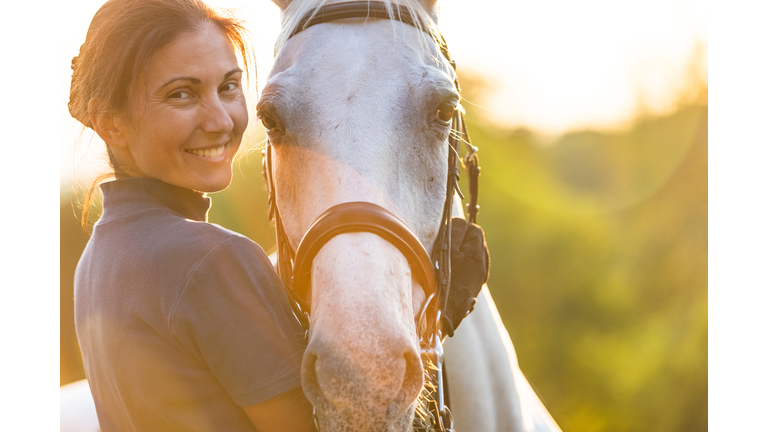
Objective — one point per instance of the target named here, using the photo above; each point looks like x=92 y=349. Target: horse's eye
x=445 y=111
x=268 y=122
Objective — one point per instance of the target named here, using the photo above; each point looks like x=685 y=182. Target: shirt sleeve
x=234 y=316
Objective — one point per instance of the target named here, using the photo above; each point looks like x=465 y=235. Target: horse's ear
x=282 y=4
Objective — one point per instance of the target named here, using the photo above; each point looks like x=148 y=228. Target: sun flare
x=550 y=66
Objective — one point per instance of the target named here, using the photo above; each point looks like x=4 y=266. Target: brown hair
x=122 y=38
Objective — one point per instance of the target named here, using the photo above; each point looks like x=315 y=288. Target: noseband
x=433 y=272
x=353 y=217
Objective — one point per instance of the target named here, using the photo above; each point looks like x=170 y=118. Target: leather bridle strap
x=356 y=9
x=354 y=217
x=366 y=9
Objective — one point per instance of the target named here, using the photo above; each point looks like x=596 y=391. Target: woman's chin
x=208 y=182
x=214 y=186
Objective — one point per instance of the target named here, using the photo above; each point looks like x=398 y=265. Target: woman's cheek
x=241 y=117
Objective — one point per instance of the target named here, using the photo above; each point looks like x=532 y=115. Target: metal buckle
x=433 y=357
x=471 y=152
x=421 y=319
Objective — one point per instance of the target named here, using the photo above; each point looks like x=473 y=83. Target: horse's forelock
x=297 y=9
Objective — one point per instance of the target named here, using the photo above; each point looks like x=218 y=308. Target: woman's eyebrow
x=233 y=71
x=194 y=80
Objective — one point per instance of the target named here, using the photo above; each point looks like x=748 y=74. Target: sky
x=553 y=65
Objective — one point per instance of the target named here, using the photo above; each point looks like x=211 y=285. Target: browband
x=355 y=9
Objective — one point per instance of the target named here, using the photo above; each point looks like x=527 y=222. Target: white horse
x=351 y=107
x=77 y=412
x=352 y=111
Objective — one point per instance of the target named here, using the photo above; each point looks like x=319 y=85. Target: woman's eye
x=445 y=111
x=179 y=95
x=228 y=87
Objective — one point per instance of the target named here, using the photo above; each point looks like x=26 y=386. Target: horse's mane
x=297 y=9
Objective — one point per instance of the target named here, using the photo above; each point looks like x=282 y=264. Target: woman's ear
x=109 y=126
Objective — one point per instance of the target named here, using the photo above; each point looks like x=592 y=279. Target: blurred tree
x=602 y=282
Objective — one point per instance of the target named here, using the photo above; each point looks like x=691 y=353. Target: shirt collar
x=135 y=193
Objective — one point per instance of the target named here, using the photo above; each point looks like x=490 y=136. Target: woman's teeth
x=209 y=153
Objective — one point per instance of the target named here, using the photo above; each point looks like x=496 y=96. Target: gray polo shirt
x=180 y=321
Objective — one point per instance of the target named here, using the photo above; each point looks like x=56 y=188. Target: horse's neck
x=487 y=389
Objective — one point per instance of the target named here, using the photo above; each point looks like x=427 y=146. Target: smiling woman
x=182 y=324
x=188 y=115
x=126 y=85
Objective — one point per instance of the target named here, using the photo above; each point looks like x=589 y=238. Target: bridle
x=432 y=271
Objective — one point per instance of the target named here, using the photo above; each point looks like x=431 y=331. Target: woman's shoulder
x=160 y=225
x=225 y=247
x=162 y=239
x=213 y=239
x=207 y=233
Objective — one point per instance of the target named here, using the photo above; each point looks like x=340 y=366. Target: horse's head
x=356 y=111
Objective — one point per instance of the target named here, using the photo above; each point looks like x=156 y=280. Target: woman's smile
x=210 y=154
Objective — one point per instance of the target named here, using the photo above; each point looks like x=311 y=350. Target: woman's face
x=187 y=113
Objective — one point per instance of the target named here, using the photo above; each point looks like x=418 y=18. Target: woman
x=183 y=325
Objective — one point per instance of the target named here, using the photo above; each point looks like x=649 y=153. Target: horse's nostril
x=311 y=384
x=413 y=381
x=309 y=373
x=385 y=382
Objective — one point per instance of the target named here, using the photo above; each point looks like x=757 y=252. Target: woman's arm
x=289 y=411
x=235 y=318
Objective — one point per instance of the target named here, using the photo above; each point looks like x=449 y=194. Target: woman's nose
x=216 y=118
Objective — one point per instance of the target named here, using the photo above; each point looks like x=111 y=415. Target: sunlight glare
x=554 y=65
x=561 y=65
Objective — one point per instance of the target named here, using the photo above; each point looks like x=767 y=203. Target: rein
x=433 y=271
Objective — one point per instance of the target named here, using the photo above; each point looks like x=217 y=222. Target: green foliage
x=599 y=268
x=598 y=265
